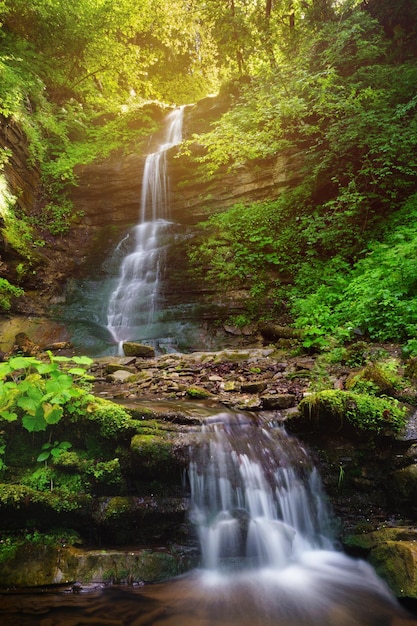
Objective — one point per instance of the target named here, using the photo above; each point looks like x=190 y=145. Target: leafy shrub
x=38 y=391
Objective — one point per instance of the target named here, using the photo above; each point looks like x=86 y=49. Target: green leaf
x=9 y=416
x=28 y=404
x=22 y=362
x=47 y=368
x=52 y=413
x=82 y=360
x=5 y=370
x=55 y=386
x=43 y=456
x=77 y=371
x=34 y=423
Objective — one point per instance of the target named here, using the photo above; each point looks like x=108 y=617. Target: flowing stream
x=268 y=555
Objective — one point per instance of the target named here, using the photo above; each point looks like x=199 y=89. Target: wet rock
x=118 y=367
x=24 y=346
x=272 y=331
x=35 y=566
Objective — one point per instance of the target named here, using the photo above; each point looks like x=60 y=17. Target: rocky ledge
x=253 y=379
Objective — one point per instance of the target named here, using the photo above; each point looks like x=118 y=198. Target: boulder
x=393 y=553
x=131 y=348
x=121 y=376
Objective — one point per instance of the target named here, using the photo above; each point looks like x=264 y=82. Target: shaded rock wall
x=22 y=177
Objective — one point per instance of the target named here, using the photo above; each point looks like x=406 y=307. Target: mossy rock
x=393 y=553
x=352 y=413
x=113 y=420
x=198 y=393
x=410 y=370
x=153 y=454
x=31 y=565
x=131 y=348
x=403 y=483
x=371 y=378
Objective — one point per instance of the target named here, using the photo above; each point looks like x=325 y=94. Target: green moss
x=116 y=507
x=19 y=496
x=113 y=420
x=198 y=393
x=362 y=412
x=375 y=378
x=151 y=450
x=394 y=561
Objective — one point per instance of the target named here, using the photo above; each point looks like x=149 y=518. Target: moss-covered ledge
x=37 y=564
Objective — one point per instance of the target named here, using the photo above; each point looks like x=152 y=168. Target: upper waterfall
x=133 y=304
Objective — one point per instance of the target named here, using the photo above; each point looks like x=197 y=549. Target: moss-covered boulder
x=393 y=553
x=350 y=414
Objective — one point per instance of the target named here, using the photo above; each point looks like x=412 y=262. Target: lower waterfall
x=265 y=530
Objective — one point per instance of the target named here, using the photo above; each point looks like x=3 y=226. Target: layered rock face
x=109 y=191
x=23 y=179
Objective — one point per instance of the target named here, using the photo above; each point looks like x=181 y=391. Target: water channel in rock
x=268 y=555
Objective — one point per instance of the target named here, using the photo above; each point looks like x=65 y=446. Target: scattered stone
x=198 y=392
x=254 y=387
x=228 y=385
x=121 y=376
x=59 y=345
x=278 y=401
x=232 y=330
x=118 y=367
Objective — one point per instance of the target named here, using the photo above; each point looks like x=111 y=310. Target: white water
x=268 y=555
x=133 y=304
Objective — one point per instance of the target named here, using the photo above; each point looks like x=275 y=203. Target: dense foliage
x=337 y=251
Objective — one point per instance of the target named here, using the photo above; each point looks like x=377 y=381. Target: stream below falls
x=268 y=555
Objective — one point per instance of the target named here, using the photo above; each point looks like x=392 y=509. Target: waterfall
x=265 y=531
x=133 y=304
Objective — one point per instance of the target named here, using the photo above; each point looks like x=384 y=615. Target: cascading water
x=133 y=305
x=264 y=527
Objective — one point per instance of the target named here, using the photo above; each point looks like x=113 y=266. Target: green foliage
x=7 y=292
x=344 y=235
x=376 y=295
x=105 y=472
x=38 y=391
x=53 y=450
